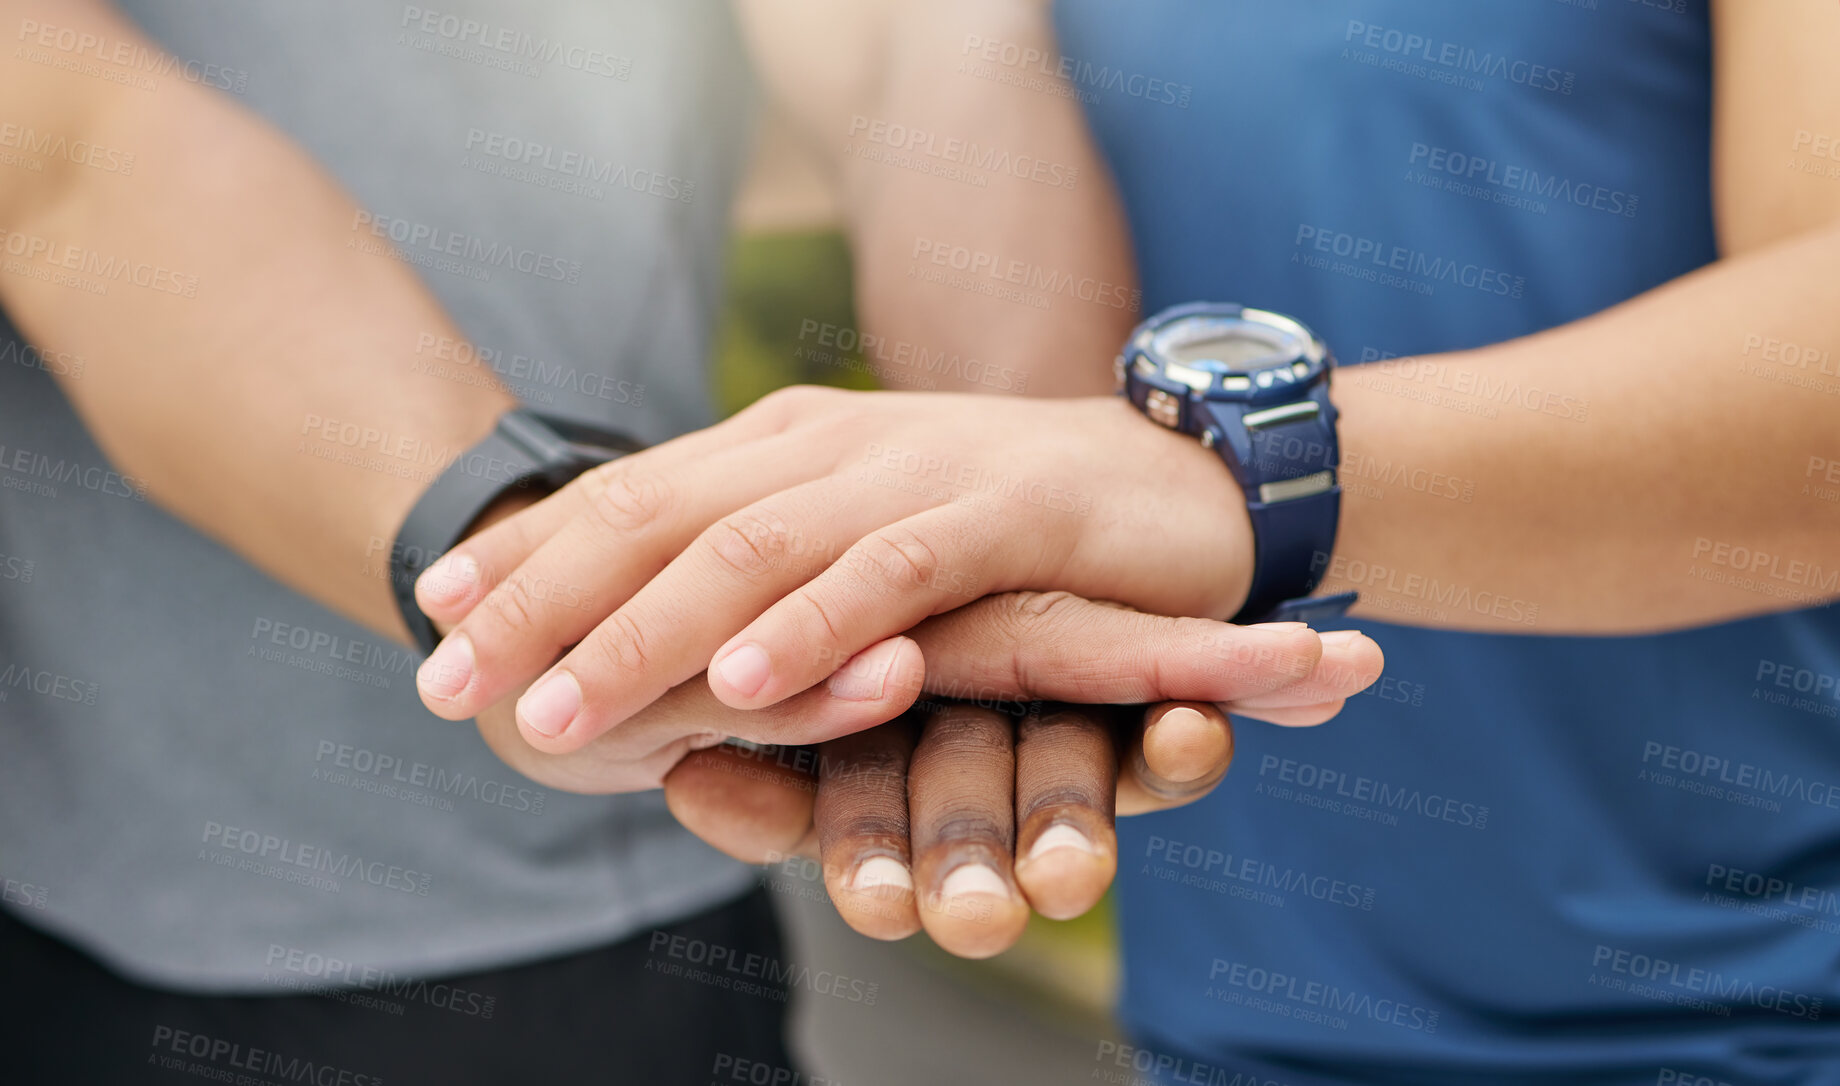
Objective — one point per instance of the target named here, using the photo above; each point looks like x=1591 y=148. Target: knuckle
x=868 y=768
x=1032 y=610
x=873 y=826
x=961 y=827
x=626 y=502
x=811 y=601
x=751 y=543
x=1064 y=726
x=1062 y=795
x=898 y=556
x=783 y=406
x=513 y=606
x=961 y=733
x=619 y=643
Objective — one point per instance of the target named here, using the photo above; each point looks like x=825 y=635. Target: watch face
x=1228 y=345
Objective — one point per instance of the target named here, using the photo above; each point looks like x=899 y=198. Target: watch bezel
x=1144 y=363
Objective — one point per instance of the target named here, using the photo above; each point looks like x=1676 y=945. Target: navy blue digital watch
x=1254 y=387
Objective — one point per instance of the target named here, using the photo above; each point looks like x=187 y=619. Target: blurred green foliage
x=780 y=284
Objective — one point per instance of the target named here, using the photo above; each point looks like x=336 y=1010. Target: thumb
x=753 y=803
x=1178 y=753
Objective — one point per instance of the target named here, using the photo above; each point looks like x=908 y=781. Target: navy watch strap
x=525 y=449
x=1289 y=541
x=1287 y=460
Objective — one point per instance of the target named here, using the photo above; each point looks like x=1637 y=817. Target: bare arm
x=1691 y=492
x=272 y=319
x=958 y=188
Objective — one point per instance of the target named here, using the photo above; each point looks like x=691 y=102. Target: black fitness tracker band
x=525 y=449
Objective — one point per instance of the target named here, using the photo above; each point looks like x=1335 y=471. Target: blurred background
x=1035 y=1014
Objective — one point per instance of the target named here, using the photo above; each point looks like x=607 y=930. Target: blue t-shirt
x=1519 y=858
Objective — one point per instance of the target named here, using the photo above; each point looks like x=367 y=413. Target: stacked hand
x=800 y=573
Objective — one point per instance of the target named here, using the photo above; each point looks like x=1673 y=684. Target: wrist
x=1199 y=492
x=1218 y=498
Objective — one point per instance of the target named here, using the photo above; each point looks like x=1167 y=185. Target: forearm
x=1043 y=294
x=991 y=251
x=1651 y=467
x=263 y=386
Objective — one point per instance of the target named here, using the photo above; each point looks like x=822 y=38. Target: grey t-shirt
x=214 y=783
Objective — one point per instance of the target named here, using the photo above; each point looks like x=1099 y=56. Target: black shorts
x=619 y=1014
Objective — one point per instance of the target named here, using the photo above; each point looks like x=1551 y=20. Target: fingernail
x=974 y=880
x=1341 y=639
x=1060 y=835
x=448 y=579
x=448 y=669
x=1279 y=627
x=548 y=707
x=865 y=676
x=746 y=670
x=879 y=871
x=1181 y=716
